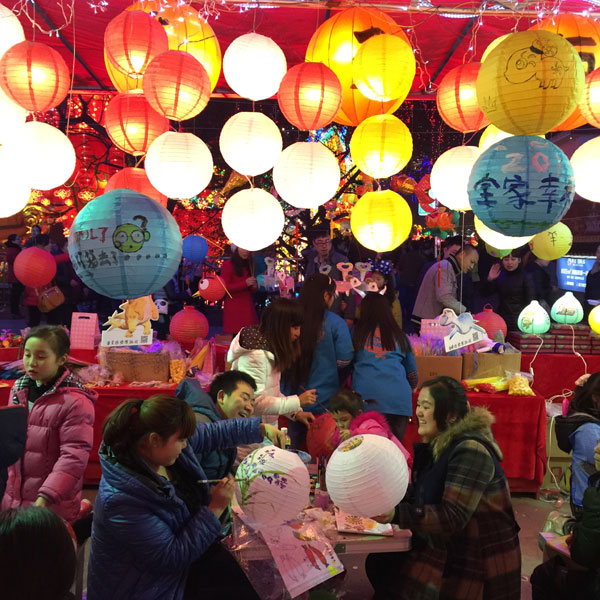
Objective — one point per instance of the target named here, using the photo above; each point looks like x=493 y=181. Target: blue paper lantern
x=195 y=248
x=521 y=185
x=125 y=245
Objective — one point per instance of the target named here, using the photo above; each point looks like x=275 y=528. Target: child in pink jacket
x=348 y=411
x=60 y=423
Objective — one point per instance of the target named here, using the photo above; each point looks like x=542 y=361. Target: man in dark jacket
x=231 y=396
x=13 y=434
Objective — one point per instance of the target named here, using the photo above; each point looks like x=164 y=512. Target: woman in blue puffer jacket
x=156 y=526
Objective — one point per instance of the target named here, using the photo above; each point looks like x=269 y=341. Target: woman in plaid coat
x=465 y=537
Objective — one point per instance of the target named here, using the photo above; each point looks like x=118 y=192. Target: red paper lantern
x=132 y=124
x=491 y=322
x=457 y=99
x=34 y=267
x=132 y=39
x=310 y=95
x=34 y=75
x=135 y=179
x=319 y=437
x=211 y=288
x=177 y=85
x=188 y=325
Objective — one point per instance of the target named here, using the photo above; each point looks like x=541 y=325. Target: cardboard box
x=429 y=367
x=489 y=364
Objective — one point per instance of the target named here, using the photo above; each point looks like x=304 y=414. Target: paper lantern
x=12 y=116
x=16 y=188
x=367 y=475
x=250 y=143
x=573 y=121
x=586 y=166
x=132 y=39
x=132 y=124
x=176 y=85
x=552 y=243
x=590 y=100
x=194 y=248
x=492 y=45
x=179 y=165
x=530 y=83
x=122 y=83
x=11 y=30
x=212 y=289
x=450 y=177
x=254 y=66
x=273 y=485
x=521 y=186
x=335 y=44
x=137 y=180
x=490 y=135
x=188 y=325
x=491 y=322
x=306 y=174
x=534 y=319
x=34 y=267
x=498 y=240
x=497 y=252
x=457 y=99
x=34 y=76
x=381 y=146
x=594 y=319
x=567 y=309
x=310 y=95
x=124 y=245
x=384 y=68
x=319 y=437
x=381 y=220
x=252 y=219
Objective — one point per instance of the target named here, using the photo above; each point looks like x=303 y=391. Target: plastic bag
x=519 y=384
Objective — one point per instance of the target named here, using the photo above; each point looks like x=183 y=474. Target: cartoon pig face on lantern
x=129 y=237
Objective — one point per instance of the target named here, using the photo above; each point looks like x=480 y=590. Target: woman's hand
x=273 y=434
x=221 y=496
x=582 y=380
x=494 y=272
x=344 y=434
x=41 y=501
x=305 y=418
x=308 y=397
x=251 y=282
x=386 y=517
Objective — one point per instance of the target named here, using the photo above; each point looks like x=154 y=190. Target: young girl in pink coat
x=60 y=425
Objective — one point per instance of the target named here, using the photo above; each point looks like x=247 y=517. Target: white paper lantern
x=11 y=30
x=252 y=219
x=179 y=165
x=586 y=164
x=306 y=174
x=276 y=485
x=254 y=66
x=250 y=143
x=16 y=189
x=12 y=116
x=367 y=475
x=499 y=240
x=46 y=153
x=534 y=318
x=450 y=177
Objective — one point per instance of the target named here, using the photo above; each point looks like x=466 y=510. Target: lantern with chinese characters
x=176 y=85
x=497 y=240
x=586 y=165
x=534 y=319
x=194 y=248
x=381 y=220
x=34 y=267
x=521 y=186
x=530 y=83
x=188 y=325
x=34 y=75
x=491 y=322
x=590 y=101
x=567 y=309
x=124 y=245
x=306 y=174
x=310 y=95
x=320 y=434
x=11 y=30
x=252 y=219
x=367 y=475
x=137 y=180
x=457 y=100
x=132 y=124
x=132 y=39
x=250 y=143
x=254 y=66
x=450 y=177
x=273 y=485
x=211 y=288
x=179 y=165
x=381 y=146
x=594 y=319
x=552 y=243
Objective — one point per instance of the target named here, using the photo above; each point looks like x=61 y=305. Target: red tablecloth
x=520 y=430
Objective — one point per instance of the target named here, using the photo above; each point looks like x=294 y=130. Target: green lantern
x=567 y=309
x=534 y=319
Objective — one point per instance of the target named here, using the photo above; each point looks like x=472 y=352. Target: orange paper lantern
x=122 y=83
x=34 y=267
x=575 y=120
x=188 y=325
x=310 y=95
x=176 y=85
x=590 y=102
x=457 y=99
x=34 y=75
x=132 y=124
x=135 y=179
x=132 y=39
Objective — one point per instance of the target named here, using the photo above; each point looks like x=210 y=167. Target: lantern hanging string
x=574 y=351
x=539 y=337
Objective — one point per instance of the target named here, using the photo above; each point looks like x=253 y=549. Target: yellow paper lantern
x=594 y=319
x=384 y=68
x=122 y=82
x=530 y=83
x=335 y=44
x=491 y=134
x=381 y=146
x=381 y=221
x=586 y=165
x=552 y=243
x=493 y=45
x=498 y=241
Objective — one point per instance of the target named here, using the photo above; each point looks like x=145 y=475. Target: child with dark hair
x=59 y=427
x=381 y=274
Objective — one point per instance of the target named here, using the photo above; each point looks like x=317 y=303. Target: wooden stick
x=224 y=287
x=217 y=480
